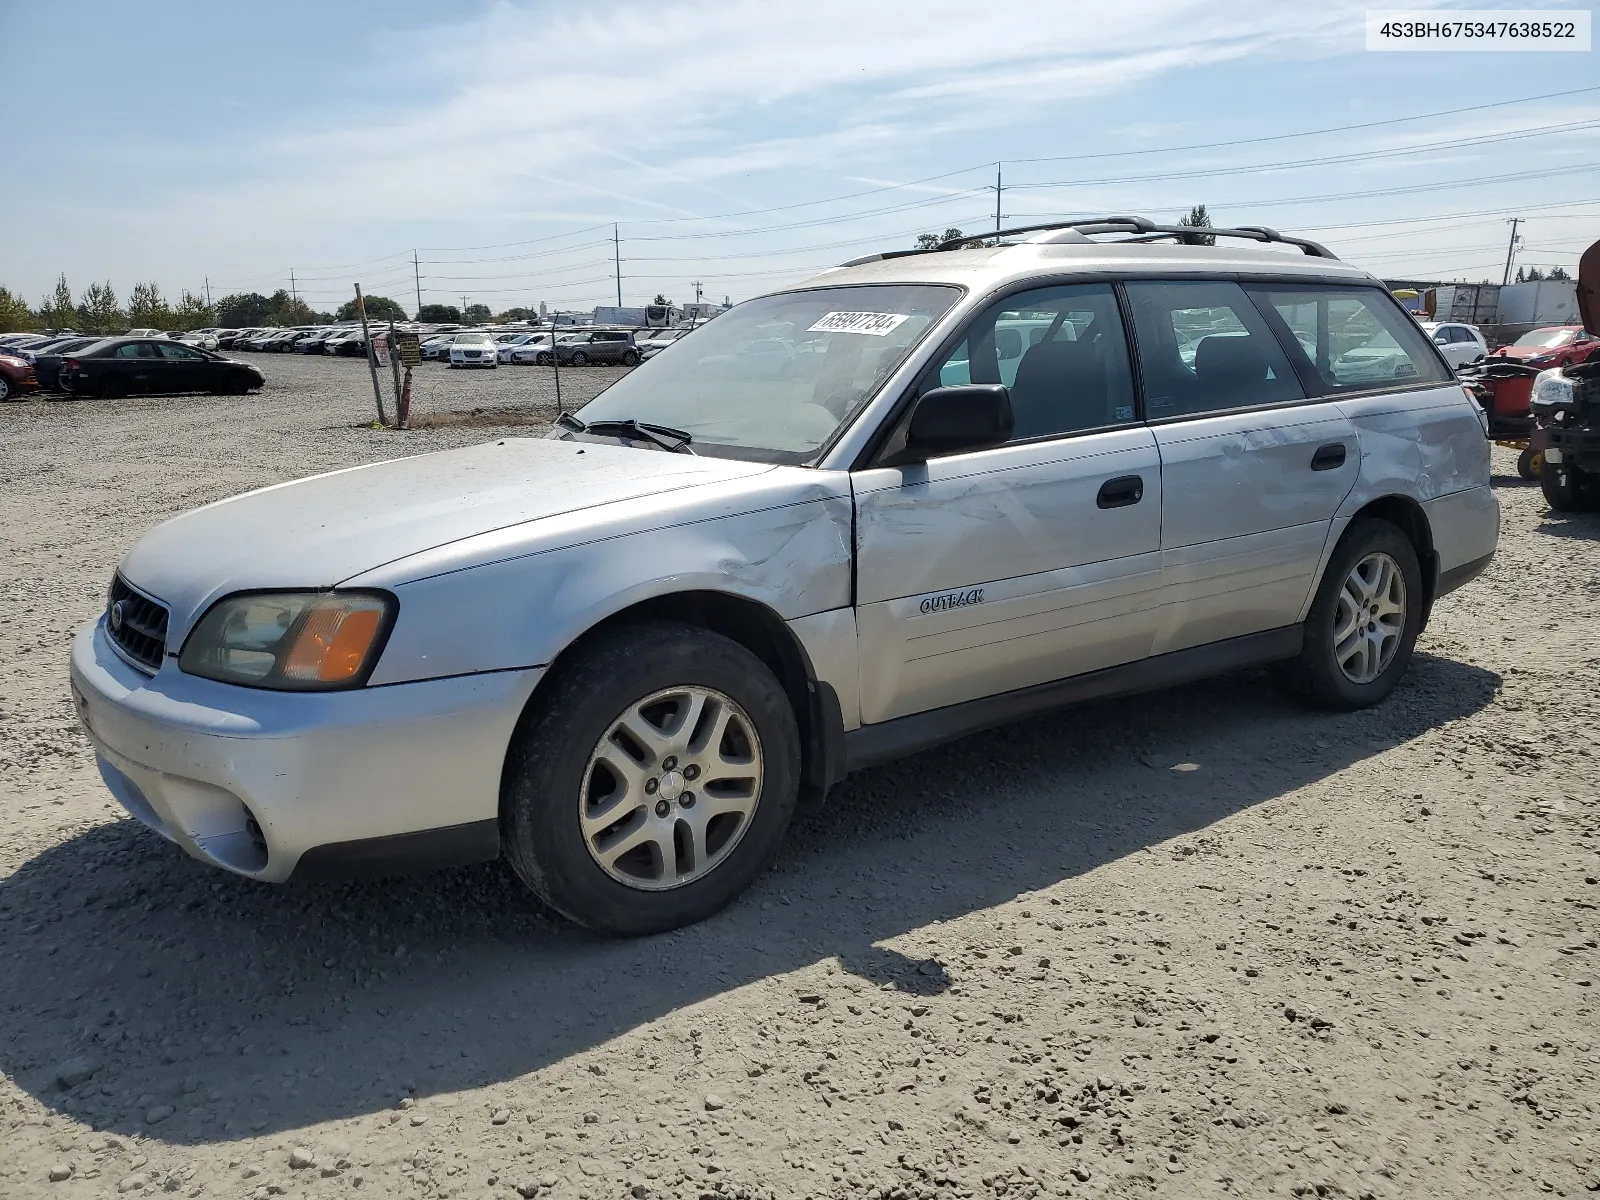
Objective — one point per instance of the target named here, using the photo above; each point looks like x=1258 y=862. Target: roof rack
x=1142 y=229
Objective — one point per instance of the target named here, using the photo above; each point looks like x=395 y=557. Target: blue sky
x=744 y=144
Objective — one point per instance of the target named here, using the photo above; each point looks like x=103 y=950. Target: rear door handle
x=1120 y=492
x=1329 y=457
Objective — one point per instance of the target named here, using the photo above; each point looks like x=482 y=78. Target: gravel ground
x=1196 y=944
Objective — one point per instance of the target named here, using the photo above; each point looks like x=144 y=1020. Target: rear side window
x=1205 y=348
x=1351 y=339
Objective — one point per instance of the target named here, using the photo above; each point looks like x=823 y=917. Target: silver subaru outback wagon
x=919 y=495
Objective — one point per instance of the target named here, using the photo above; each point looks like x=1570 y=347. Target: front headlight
x=290 y=641
x=1551 y=391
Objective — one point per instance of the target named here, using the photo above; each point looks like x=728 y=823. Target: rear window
x=1350 y=339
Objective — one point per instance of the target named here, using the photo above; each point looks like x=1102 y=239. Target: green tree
x=518 y=314
x=57 y=311
x=927 y=241
x=15 y=315
x=243 y=310
x=477 y=314
x=193 y=312
x=98 y=311
x=379 y=308
x=662 y=300
x=147 y=309
x=439 y=314
x=1558 y=273
x=1198 y=218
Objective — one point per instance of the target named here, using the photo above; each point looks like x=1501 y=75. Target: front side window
x=1352 y=338
x=1060 y=351
x=1204 y=348
x=1550 y=339
x=773 y=379
x=179 y=351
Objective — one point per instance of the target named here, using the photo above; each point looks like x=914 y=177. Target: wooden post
x=372 y=359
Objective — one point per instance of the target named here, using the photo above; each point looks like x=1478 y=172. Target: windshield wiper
x=672 y=440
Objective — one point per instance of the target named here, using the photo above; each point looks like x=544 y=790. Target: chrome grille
x=136 y=625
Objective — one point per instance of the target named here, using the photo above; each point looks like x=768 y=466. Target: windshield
x=773 y=379
x=1548 y=338
x=473 y=339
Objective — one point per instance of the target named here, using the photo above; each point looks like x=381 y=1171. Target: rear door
x=983 y=572
x=140 y=364
x=1251 y=472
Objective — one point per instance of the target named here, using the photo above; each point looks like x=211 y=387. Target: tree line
x=98 y=309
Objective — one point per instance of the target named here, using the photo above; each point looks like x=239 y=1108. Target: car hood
x=318 y=532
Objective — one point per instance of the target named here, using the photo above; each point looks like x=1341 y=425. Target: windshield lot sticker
x=951 y=600
x=876 y=324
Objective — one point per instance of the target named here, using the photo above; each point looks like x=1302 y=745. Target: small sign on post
x=380 y=347
x=409 y=347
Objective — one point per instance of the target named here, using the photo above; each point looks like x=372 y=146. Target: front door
x=984 y=572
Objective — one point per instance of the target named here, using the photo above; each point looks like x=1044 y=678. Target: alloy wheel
x=670 y=788
x=1369 y=618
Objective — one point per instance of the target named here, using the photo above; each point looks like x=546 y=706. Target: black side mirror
x=947 y=420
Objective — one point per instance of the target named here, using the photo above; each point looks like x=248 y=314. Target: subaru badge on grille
x=115 y=617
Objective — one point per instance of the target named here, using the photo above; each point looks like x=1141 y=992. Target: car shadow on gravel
x=201 y=1008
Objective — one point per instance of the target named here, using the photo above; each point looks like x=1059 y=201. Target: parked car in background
x=1460 y=343
x=598 y=346
x=232 y=339
x=47 y=366
x=314 y=342
x=536 y=350
x=349 y=342
x=119 y=366
x=16 y=377
x=654 y=341
x=473 y=350
x=509 y=343
x=438 y=346
x=1553 y=346
x=203 y=338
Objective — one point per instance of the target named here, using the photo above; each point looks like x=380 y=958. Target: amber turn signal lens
x=332 y=644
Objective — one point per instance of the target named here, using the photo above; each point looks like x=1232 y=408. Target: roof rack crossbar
x=1144 y=230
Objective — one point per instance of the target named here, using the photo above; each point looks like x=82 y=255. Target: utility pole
x=997 y=197
x=1511 y=249
x=208 y=291
x=696 y=315
x=616 y=254
x=293 y=291
x=416 y=275
x=463 y=308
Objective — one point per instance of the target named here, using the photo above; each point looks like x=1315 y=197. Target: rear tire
x=112 y=387
x=557 y=776
x=1530 y=463
x=1364 y=621
x=630 y=358
x=580 y=359
x=5 y=389
x=542 y=360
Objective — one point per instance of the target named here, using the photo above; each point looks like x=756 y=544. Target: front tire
x=1564 y=486
x=652 y=780
x=5 y=389
x=580 y=359
x=542 y=360
x=630 y=358
x=1364 y=621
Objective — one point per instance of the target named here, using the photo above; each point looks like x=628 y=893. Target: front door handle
x=1120 y=492
x=1329 y=457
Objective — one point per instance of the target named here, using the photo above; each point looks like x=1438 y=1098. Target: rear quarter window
x=1349 y=339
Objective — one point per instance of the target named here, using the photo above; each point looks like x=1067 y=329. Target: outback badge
x=948 y=600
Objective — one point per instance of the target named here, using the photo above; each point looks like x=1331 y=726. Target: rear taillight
x=71 y=364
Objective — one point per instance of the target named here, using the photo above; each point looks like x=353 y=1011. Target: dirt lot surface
x=1195 y=944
